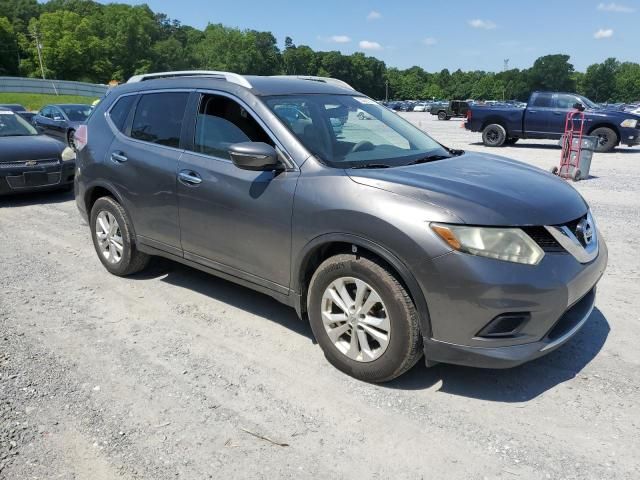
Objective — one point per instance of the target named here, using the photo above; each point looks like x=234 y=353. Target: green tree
x=599 y=81
x=627 y=84
x=9 y=49
x=552 y=72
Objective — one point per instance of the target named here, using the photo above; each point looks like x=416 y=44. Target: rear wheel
x=607 y=139
x=442 y=115
x=113 y=238
x=494 y=135
x=363 y=318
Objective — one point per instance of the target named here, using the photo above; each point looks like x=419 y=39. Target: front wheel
x=113 y=238
x=511 y=140
x=442 y=116
x=494 y=135
x=71 y=139
x=363 y=318
x=607 y=139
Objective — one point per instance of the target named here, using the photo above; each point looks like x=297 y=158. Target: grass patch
x=35 y=101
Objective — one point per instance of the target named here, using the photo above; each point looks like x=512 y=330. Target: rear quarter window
x=120 y=111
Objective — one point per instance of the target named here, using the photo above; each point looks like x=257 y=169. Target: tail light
x=81 y=137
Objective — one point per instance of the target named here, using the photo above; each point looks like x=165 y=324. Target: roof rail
x=228 y=76
x=333 y=81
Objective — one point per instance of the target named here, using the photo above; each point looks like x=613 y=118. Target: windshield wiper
x=371 y=165
x=429 y=158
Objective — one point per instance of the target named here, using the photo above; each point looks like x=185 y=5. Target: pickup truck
x=544 y=117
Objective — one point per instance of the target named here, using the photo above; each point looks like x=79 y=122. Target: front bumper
x=45 y=175
x=465 y=293
x=630 y=136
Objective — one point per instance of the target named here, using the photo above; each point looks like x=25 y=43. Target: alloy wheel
x=356 y=319
x=109 y=237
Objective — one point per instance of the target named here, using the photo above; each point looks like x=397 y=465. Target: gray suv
x=392 y=244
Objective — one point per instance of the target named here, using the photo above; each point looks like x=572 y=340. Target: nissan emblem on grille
x=585 y=231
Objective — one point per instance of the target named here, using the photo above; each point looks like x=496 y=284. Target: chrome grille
x=47 y=162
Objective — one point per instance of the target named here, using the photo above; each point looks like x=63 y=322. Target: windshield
x=587 y=103
x=76 y=113
x=12 y=125
x=346 y=131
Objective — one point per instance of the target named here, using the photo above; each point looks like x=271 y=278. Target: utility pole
x=506 y=65
x=36 y=37
x=386 y=92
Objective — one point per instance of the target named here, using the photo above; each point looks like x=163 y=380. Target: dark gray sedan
x=29 y=161
x=61 y=121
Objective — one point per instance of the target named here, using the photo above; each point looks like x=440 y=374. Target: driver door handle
x=189 y=177
x=118 y=157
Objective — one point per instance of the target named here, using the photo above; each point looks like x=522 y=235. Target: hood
x=34 y=147
x=483 y=189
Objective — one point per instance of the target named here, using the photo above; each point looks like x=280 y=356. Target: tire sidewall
x=110 y=205
x=612 y=139
x=442 y=116
x=502 y=135
x=387 y=365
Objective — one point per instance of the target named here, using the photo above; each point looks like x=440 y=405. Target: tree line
x=88 y=41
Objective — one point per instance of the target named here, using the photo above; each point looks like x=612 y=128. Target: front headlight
x=508 y=244
x=629 y=123
x=68 y=154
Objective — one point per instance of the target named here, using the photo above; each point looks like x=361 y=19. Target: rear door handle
x=118 y=157
x=189 y=177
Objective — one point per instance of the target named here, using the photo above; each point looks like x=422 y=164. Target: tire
x=555 y=170
x=494 y=135
x=130 y=259
x=70 y=139
x=511 y=140
x=442 y=115
x=361 y=115
x=607 y=139
x=403 y=346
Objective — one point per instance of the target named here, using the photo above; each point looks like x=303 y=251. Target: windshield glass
x=347 y=131
x=76 y=113
x=588 y=103
x=14 y=125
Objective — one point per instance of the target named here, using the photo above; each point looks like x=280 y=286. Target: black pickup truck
x=544 y=117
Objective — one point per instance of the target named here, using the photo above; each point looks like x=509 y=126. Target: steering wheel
x=362 y=146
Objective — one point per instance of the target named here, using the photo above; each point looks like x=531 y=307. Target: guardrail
x=54 y=87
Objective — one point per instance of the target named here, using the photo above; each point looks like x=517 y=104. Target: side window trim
x=190 y=146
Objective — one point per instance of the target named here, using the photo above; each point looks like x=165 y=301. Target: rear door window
x=120 y=111
x=158 y=118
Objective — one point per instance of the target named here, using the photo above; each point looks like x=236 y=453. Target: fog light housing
x=505 y=325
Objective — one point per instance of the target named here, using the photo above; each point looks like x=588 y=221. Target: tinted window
x=542 y=100
x=76 y=113
x=46 y=112
x=222 y=122
x=120 y=111
x=158 y=118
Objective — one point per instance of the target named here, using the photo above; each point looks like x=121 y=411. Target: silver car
x=392 y=245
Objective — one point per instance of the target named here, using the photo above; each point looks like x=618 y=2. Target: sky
x=471 y=35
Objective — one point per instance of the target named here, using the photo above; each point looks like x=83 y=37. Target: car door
x=43 y=120
x=59 y=124
x=562 y=104
x=143 y=161
x=536 y=117
x=233 y=220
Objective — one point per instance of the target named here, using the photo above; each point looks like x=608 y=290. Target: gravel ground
x=176 y=374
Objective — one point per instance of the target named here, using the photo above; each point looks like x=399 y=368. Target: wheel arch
x=325 y=246
x=497 y=120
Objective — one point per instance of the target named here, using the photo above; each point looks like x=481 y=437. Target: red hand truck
x=571 y=146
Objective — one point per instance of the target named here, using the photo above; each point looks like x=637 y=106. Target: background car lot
x=159 y=375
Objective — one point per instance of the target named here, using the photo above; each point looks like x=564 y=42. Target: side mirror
x=254 y=156
x=578 y=106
